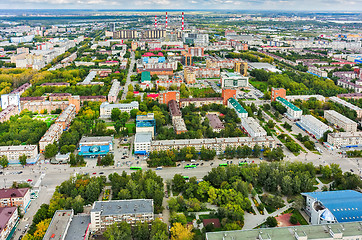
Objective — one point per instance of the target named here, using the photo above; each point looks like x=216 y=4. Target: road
x=130 y=73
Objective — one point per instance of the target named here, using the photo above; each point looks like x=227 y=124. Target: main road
x=130 y=73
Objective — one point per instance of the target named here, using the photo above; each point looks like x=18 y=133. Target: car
x=21 y=236
x=138 y=162
x=178 y=165
x=20 y=172
x=187 y=164
x=86 y=174
x=202 y=164
x=197 y=164
x=29 y=180
x=26 y=226
x=227 y=162
x=24 y=231
x=231 y=162
x=211 y=164
x=94 y=173
x=101 y=173
x=351 y=170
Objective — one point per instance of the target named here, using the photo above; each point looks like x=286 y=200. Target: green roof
x=237 y=105
x=288 y=104
x=145 y=76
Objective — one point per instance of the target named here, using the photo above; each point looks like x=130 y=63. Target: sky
x=297 y=5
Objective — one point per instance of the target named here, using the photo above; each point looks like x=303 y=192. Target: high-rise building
x=242 y=68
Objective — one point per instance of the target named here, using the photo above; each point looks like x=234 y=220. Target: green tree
x=50 y=150
x=141 y=231
x=158 y=230
x=4 y=161
x=118 y=231
x=115 y=114
x=271 y=222
x=22 y=159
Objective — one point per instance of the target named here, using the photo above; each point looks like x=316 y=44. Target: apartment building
x=293 y=112
x=347 y=104
x=233 y=80
x=240 y=111
x=313 y=126
x=189 y=75
x=176 y=115
x=196 y=51
x=14 y=152
x=277 y=92
x=166 y=96
x=228 y=93
x=345 y=139
x=340 y=121
x=199 y=102
x=8 y=218
x=58 y=227
x=106 y=213
x=15 y=197
x=106 y=108
x=242 y=68
x=5 y=114
x=202 y=72
x=52 y=135
x=292 y=98
x=252 y=127
x=67 y=116
x=215 y=122
x=113 y=92
x=217 y=144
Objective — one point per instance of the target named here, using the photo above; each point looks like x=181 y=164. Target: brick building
x=277 y=92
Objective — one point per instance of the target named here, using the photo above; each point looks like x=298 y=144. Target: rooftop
x=78 y=227
x=95 y=139
x=17 y=148
x=119 y=207
x=174 y=108
x=215 y=121
x=143 y=137
x=288 y=104
x=13 y=192
x=340 y=117
x=237 y=105
x=5 y=215
x=344 y=103
x=59 y=225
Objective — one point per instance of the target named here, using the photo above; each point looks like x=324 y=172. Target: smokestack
x=182 y=21
x=155 y=21
x=166 y=19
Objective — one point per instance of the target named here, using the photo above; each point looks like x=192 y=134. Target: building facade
x=252 y=127
x=293 y=112
x=240 y=111
x=313 y=126
x=233 y=80
x=14 y=152
x=8 y=218
x=15 y=197
x=105 y=110
x=340 y=121
x=345 y=139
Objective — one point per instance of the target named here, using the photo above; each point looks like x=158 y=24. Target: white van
x=159 y=168
x=193 y=160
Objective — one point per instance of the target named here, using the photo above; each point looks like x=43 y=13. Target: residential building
x=333 y=206
x=79 y=227
x=217 y=62
x=113 y=92
x=106 y=213
x=348 y=105
x=67 y=116
x=278 y=92
x=20 y=90
x=350 y=95
x=166 y=96
x=105 y=110
x=179 y=125
x=51 y=135
x=196 y=51
x=95 y=146
x=292 y=98
x=176 y=115
x=202 y=72
x=228 y=93
x=145 y=77
x=217 y=144
x=59 y=225
x=252 y=127
x=313 y=126
x=331 y=231
x=10 y=99
x=340 y=121
x=59 y=96
x=215 y=122
x=345 y=139
x=293 y=112
x=14 y=152
x=233 y=80
x=242 y=68
x=240 y=111
x=142 y=143
x=186 y=59
x=157 y=71
x=98 y=98
x=5 y=114
x=15 y=197
x=41 y=106
x=199 y=102
x=146 y=123
x=8 y=219
x=189 y=75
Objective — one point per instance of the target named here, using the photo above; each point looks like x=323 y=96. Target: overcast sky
x=309 y=5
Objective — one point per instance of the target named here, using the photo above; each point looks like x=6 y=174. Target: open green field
x=49 y=119
x=131 y=127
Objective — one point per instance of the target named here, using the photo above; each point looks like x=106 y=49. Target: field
x=131 y=127
x=49 y=119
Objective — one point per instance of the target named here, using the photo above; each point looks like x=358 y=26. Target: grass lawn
x=259 y=85
x=299 y=217
x=279 y=128
x=207 y=216
x=131 y=127
x=201 y=92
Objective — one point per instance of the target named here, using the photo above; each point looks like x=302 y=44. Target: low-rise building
x=347 y=104
x=313 y=126
x=8 y=218
x=14 y=152
x=67 y=116
x=345 y=139
x=106 y=108
x=166 y=96
x=278 y=92
x=199 y=102
x=252 y=127
x=217 y=144
x=95 y=146
x=142 y=143
x=233 y=80
x=5 y=114
x=113 y=92
x=240 y=111
x=106 y=213
x=52 y=135
x=98 y=98
x=340 y=121
x=15 y=197
x=146 y=123
x=293 y=112
x=59 y=96
x=59 y=225
x=292 y=98
x=189 y=75
x=215 y=122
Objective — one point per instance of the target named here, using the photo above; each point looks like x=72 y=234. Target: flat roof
x=288 y=104
x=78 y=227
x=95 y=139
x=237 y=105
x=345 y=103
x=17 y=148
x=340 y=117
x=120 y=207
x=143 y=137
x=59 y=225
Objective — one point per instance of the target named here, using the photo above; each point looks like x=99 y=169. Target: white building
x=252 y=127
x=113 y=92
x=10 y=99
x=52 y=135
x=292 y=98
x=106 y=108
x=233 y=80
x=14 y=152
x=313 y=126
x=293 y=112
x=345 y=139
x=142 y=143
x=347 y=104
x=340 y=121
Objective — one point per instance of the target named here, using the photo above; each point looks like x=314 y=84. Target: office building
x=51 y=135
x=240 y=111
x=142 y=143
x=278 y=92
x=313 y=126
x=14 y=152
x=348 y=105
x=95 y=146
x=199 y=102
x=113 y=92
x=217 y=144
x=105 y=110
x=252 y=127
x=166 y=96
x=106 y=213
x=293 y=112
x=242 y=68
x=59 y=225
x=8 y=218
x=347 y=140
x=146 y=123
x=233 y=80
x=340 y=121
x=15 y=197
x=333 y=206
x=333 y=231
x=215 y=122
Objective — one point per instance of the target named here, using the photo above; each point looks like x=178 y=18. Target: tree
x=158 y=230
x=118 y=231
x=141 y=231
x=178 y=183
x=22 y=159
x=256 y=151
x=271 y=222
x=115 y=114
x=4 y=161
x=50 y=150
x=179 y=232
x=106 y=160
x=293 y=219
x=117 y=126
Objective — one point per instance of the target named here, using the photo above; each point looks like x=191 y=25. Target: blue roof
x=91 y=150
x=345 y=205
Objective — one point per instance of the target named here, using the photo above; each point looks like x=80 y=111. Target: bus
x=136 y=168
x=186 y=177
x=242 y=163
x=223 y=165
x=190 y=166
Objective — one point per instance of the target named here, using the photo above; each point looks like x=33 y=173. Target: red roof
x=153 y=95
x=136 y=92
x=214 y=221
x=13 y=192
